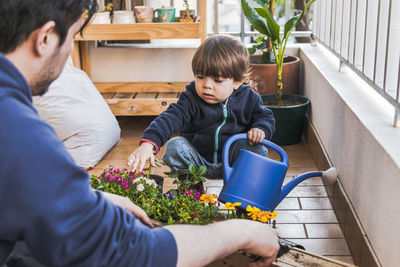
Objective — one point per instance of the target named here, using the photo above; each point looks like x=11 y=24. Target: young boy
x=215 y=106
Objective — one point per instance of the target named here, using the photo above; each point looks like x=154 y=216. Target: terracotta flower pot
x=263 y=76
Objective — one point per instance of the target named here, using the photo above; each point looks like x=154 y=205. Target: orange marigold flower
x=264 y=216
x=230 y=206
x=253 y=212
x=206 y=198
x=273 y=215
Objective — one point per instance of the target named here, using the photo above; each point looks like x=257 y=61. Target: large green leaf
x=254 y=19
x=291 y=23
x=271 y=23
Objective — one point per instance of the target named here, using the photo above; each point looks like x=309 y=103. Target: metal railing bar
x=216 y=16
x=355 y=34
x=287 y=10
x=377 y=88
x=396 y=107
x=350 y=21
x=365 y=36
x=335 y=17
x=331 y=28
x=326 y=23
x=387 y=44
x=377 y=40
x=319 y=18
x=341 y=28
x=256 y=34
x=242 y=30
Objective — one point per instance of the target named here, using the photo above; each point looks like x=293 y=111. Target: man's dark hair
x=19 y=18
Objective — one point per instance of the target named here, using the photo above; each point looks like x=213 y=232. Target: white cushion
x=80 y=116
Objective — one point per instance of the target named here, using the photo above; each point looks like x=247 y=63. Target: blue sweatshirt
x=46 y=199
x=208 y=126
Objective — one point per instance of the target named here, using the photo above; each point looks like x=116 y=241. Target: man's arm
x=201 y=245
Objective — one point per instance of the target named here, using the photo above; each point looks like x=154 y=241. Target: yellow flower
x=273 y=215
x=230 y=206
x=206 y=198
x=253 y=212
x=264 y=216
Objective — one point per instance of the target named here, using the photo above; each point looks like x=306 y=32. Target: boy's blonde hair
x=222 y=56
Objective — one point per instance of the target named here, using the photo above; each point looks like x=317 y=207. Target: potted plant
x=289 y=110
x=181 y=205
x=263 y=75
x=187 y=14
x=103 y=16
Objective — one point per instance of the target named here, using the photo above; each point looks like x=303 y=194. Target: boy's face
x=215 y=90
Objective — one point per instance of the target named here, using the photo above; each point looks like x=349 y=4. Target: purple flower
x=109 y=166
x=195 y=215
x=188 y=192
x=125 y=185
x=116 y=171
x=196 y=195
x=118 y=179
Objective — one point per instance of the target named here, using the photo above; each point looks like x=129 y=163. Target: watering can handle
x=232 y=139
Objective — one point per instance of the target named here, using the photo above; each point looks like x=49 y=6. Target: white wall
x=141 y=64
x=355 y=126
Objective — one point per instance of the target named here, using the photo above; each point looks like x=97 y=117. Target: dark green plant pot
x=159 y=181
x=290 y=120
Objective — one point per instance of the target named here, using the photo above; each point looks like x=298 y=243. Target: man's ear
x=45 y=39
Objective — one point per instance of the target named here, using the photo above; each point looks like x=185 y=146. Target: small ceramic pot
x=123 y=17
x=101 y=18
x=187 y=15
x=143 y=14
x=164 y=15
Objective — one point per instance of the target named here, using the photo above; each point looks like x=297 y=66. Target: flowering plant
x=263 y=216
x=181 y=205
x=137 y=186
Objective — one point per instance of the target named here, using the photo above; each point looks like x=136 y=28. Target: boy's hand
x=255 y=136
x=138 y=158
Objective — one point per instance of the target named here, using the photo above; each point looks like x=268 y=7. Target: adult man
x=45 y=198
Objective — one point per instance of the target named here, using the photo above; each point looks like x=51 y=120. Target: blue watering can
x=256 y=180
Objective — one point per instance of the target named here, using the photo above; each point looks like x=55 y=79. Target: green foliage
x=261 y=19
x=176 y=206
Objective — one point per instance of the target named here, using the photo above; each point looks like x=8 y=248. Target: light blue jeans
x=179 y=153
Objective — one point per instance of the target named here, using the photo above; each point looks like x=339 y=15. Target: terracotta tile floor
x=305 y=216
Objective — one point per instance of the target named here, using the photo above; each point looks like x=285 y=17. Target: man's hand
x=217 y=240
x=139 y=157
x=255 y=136
x=127 y=205
x=264 y=243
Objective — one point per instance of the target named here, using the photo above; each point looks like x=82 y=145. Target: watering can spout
x=329 y=174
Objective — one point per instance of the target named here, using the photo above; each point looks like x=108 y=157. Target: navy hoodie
x=208 y=126
x=46 y=200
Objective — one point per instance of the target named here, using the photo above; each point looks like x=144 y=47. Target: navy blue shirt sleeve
x=46 y=200
x=173 y=119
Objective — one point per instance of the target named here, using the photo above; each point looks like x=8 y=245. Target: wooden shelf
x=140 y=31
x=145 y=87
x=138 y=98
x=144 y=104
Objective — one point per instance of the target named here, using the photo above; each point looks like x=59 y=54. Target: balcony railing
x=365 y=35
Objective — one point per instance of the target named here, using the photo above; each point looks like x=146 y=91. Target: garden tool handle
x=233 y=138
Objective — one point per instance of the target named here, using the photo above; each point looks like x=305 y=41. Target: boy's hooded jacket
x=208 y=126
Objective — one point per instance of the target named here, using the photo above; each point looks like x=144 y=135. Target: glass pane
x=229 y=16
